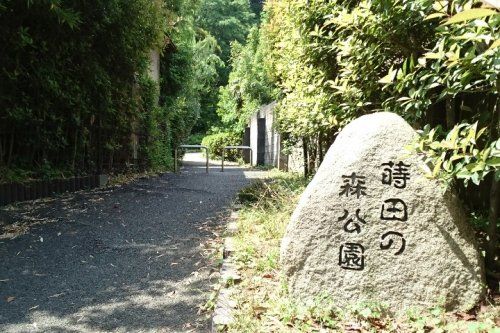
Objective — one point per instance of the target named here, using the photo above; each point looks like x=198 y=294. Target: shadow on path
x=121 y=259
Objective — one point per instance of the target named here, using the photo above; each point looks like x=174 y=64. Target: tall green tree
x=227 y=21
x=249 y=85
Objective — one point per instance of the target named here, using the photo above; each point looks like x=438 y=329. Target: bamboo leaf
x=470 y=14
x=433 y=16
x=495 y=45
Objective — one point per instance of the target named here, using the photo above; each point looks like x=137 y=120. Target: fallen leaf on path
x=465 y=316
x=353 y=327
x=377 y=323
x=259 y=310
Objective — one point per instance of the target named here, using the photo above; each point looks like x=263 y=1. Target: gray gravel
x=123 y=259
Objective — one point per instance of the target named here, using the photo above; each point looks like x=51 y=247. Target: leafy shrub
x=459 y=155
x=217 y=142
x=195 y=139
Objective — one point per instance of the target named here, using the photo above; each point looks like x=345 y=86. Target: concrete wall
x=273 y=155
x=253 y=135
x=154 y=65
x=272 y=138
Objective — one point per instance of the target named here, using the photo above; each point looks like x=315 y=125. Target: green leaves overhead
x=227 y=21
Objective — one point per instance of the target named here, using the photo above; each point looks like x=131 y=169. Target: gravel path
x=123 y=259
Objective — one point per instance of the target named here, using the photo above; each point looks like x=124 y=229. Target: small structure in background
x=267 y=144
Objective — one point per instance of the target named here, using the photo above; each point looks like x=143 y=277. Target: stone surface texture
x=440 y=263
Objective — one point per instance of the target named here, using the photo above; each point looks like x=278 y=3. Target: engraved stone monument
x=371 y=227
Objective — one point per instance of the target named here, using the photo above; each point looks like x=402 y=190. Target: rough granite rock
x=335 y=243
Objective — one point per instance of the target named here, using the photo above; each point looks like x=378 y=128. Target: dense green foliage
x=216 y=143
x=436 y=63
x=334 y=61
x=75 y=91
x=249 y=84
x=228 y=21
x=188 y=73
x=68 y=73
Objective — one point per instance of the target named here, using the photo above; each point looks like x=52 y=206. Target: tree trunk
x=491 y=247
x=1 y=151
x=75 y=148
x=450 y=113
x=305 y=153
x=99 y=147
x=9 y=156
x=320 y=149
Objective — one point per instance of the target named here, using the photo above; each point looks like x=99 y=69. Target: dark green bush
x=195 y=139
x=216 y=142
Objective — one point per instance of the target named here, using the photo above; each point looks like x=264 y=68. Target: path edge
x=223 y=314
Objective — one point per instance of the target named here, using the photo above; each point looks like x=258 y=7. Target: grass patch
x=263 y=304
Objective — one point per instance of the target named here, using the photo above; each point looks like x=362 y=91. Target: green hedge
x=216 y=142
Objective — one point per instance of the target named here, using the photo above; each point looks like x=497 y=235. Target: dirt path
x=125 y=259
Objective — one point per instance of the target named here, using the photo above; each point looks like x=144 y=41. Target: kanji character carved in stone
x=391 y=235
x=394 y=210
x=353 y=222
x=352 y=256
x=353 y=185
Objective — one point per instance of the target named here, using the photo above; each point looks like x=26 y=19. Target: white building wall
x=273 y=155
x=253 y=136
x=154 y=65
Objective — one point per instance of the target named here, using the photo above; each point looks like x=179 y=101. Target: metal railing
x=236 y=147
x=191 y=147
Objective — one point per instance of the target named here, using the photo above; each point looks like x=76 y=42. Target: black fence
x=14 y=192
